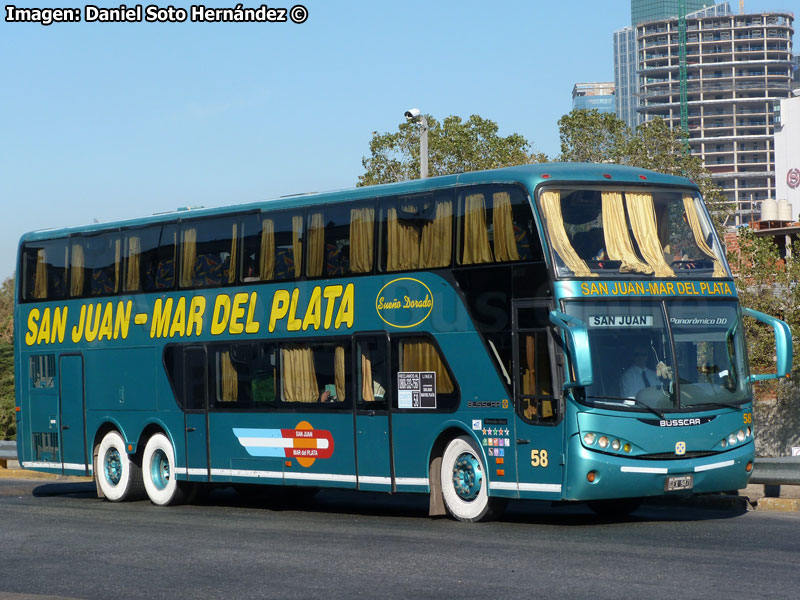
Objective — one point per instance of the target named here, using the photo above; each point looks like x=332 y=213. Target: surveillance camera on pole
x=413 y=115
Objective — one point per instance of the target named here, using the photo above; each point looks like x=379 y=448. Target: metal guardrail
x=8 y=451
x=783 y=470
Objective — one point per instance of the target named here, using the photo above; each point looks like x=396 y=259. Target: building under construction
x=737 y=67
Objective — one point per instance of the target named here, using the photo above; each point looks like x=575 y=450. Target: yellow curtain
x=643 y=222
x=234 y=257
x=338 y=372
x=316 y=245
x=529 y=370
x=694 y=222
x=188 y=256
x=132 y=272
x=117 y=263
x=367 y=391
x=476 y=233
x=615 y=231
x=361 y=239
x=266 y=261
x=40 y=277
x=436 y=241
x=297 y=243
x=505 y=243
x=76 y=267
x=298 y=375
x=422 y=356
x=551 y=207
x=402 y=244
x=230 y=379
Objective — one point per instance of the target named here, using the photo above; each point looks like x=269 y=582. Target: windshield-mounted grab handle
x=783 y=345
x=578 y=338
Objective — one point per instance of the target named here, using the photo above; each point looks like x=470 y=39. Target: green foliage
x=768 y=284
x=592 y=136
x=7 y=311
x=8 y=424
x=454 y=146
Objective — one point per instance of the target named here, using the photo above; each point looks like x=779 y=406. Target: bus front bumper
x=624 y=477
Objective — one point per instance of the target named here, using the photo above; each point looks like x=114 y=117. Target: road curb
x=778 y=504
x=26 y=474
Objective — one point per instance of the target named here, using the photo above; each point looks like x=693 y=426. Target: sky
x=106 y=121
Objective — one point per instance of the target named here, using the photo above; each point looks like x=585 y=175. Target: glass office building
x=597 y=96
x=651 y=10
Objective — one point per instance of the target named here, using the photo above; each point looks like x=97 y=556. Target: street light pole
x=423 y=147
x=414 y=115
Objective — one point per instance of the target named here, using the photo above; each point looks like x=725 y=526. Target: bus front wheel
x=158 y=469
x=117 y=476
x=465 y=485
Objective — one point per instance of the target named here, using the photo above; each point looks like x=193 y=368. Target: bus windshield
x=665 y=355
x=612 y=232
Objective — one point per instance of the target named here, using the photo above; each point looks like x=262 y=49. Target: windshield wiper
x=723 y=404
x=634 y=400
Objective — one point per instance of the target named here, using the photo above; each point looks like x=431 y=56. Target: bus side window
x=271 y=246
x=209 y=252
x=496 y=225
x=45 y=270
x=316 y=374
x=157 y=258
x=372 y=374
x=140 y=246
x=417 y=232
x=103 y=264
x=420 y=354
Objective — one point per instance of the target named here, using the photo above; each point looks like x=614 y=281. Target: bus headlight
x=589 y=438
x=732 y=439
x=603 y=442
x=615 y=445
x=740 y=435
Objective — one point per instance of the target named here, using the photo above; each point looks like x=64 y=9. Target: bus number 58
x=539 y=458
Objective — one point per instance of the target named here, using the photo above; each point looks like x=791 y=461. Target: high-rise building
x=626 y=79
x=796 y=76
x=598 y=96
x=738 y=66
x=651 y=10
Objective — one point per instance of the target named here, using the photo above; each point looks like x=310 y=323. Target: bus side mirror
x=578 y=340
x=783 y=344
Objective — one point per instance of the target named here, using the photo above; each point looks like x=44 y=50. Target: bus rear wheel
x=117 y=476
x=158 y=469
x=465 y=485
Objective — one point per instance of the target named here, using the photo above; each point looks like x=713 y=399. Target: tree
x=454 y=146
x=592 y=136
x=7 y=418
x=7 y=311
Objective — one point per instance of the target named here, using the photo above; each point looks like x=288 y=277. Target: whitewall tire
x=158 y=470
x=117 y=476
x=465 y=482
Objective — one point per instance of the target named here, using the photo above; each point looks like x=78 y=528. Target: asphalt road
x=57 y=539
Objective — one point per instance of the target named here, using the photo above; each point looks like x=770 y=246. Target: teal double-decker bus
x=553 y=331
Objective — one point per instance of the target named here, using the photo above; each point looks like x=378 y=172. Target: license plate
x=679 y=482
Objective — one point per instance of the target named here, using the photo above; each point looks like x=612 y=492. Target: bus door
x=195 y=403
x=537 y=397
x=373 y=425
x=72 y=413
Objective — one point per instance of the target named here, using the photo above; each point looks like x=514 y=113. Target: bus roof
x=529 y=175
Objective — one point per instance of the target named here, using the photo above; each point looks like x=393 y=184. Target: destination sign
x=621 y=321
